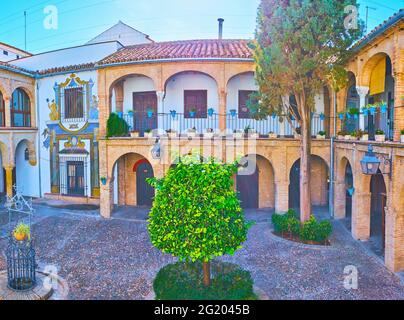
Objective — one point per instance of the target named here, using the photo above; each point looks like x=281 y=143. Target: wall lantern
x=156 y=150
x=370 y=163
x=103 y=181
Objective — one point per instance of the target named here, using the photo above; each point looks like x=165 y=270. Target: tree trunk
x=305 y=167
x=206 y=274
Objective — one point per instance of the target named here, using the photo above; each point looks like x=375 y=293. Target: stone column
x=362 y=92
x=339 y=199
x=107 y=198
x=7 y=111
x=121 y=181
x=222 y=109
x=398 y=101
x=9 y=179
x=119 y=96
x=361 y=215
x=281 y=196
x=394 y=252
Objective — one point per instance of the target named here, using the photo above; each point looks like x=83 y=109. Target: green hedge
x=184 y=281
x=311 y=230
x=116 y=126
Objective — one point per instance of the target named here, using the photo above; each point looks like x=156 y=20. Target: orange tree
x=300 y=47
x=196 y=214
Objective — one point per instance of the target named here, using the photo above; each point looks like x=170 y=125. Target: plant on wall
x=116 y=126
x=196 y=214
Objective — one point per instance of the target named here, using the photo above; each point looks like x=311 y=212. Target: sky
x=81 y=20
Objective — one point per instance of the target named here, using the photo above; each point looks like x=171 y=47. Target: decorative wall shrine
x=71 y=137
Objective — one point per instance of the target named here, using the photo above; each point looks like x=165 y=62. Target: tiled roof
x=187 y=49
x=72 y=68
x=10 y=67
x=385 y=25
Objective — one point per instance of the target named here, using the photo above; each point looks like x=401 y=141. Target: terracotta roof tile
x=72 y=68
x=15 y=68
x=187 y=49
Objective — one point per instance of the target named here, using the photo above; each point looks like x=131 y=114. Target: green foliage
x=116 y=126
x=301 y=46
x=353 y=111
x=196 y=214
x=402 y=132
x=379 y=132
x=183 y=281
x=311 y=230
x=322 y=133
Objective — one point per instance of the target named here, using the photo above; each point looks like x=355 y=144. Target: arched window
x=20 y=109
x=2 y=110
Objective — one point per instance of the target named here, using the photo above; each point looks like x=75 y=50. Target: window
x=20 y=109
x=5 y=52
x=2 y=111
x=243 y=97
x=196 y=100
x=74 y=103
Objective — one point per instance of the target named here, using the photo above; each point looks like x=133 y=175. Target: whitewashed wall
x=135 y=84
x=241 y=82
x=27 y=178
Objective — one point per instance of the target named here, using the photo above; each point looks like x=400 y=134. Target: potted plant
x=233 y=113
x=363 y=135
x=321 y=135
x=372 y=109
x=347 y=136
x=365 y=110
x=191 y=132
x=380 y=135
x=22 y=232
x=171 y=133
x=211 y=111
x=192 y=112
x=150 y=112
x=103 y=180
x=354 y=112
x=341 y=135
x=322 y=116
x=341 y=115
x=238 y=134
x=134 y=134
x=272 y=135
x=209 y=133
x=383 y=106
x=353 y=135
x=148 y=133
x=402 y=136
x=173 y=113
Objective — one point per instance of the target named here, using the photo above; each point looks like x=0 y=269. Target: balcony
x=179 y=122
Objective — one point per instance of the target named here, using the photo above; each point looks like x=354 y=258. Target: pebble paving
x=114 y=259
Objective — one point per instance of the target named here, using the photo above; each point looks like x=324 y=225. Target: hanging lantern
x=370 y=163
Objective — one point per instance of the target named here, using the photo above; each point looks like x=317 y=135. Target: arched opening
x=378 y=74
x=131 y=172
x=255 y=183
x=24 y=172
x=2 y=110
x=352 y=105
x=191 y=100
x=134 y=98
x=349 y=185
x=320 y=184
x=20 y=109
x=377 y=212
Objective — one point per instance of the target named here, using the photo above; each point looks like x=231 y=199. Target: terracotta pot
x=380 y=138
x=320 y=137
x=20 y=236
x=134 y=134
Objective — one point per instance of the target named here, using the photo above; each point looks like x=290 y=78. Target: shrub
x=288 y=222
x=116 y=126
x=379 y=132
x=183 y=281
x=322 y=133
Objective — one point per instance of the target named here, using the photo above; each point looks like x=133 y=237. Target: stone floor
x=114 y=259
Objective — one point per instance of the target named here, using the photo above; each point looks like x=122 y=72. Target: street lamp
x=370 y=163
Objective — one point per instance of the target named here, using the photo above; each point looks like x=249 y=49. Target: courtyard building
x=55 y=107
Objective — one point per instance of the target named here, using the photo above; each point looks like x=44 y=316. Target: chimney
x=221 y=20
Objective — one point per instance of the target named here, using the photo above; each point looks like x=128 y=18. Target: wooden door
x=294 y=186
x=142 y=103
x=144 y=191
x=248 y=190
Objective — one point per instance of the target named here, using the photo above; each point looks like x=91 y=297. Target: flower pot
x=372 y=111
x=150 y=114
x=134 y=134
x=272 y=136
x=320 y=137
x=347 y=137
x=238 y=135
x=211 y=112
x=254 y=135
x=148 y=134
x=402 y=138
x=380 y=138
x=192 y=114
x=365 y=137
x=172 y=135
x=173 y=114
x=20 y=236
x=341 y=137
x=383 y=108
x=233 y=113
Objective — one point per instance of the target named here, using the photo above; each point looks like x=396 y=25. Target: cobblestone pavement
x=114 y=259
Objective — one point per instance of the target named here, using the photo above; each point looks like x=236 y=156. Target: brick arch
x=370 y=64
x=113 y=160
x=3 y=89
x=186 y=70
x=233 y=70
x=27 y=90
x=126 y=75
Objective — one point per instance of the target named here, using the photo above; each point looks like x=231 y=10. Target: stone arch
x=129 y=175
x=370 y=64
x=320 y=171
x=112 y=161
x=31 y=150
x=172 y=73
x=256 y=183
x=235 y=70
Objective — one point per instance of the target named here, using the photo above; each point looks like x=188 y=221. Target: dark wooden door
x=377 y=211
x=349 y=185
x=248 y=190
x=294 y=186
x=75 y=178
x=142 y=103
x=144 y=192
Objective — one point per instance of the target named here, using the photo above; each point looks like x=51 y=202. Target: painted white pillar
x=160 y=109
x=362 y=92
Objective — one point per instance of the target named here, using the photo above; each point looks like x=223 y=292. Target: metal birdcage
x=21 y=263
